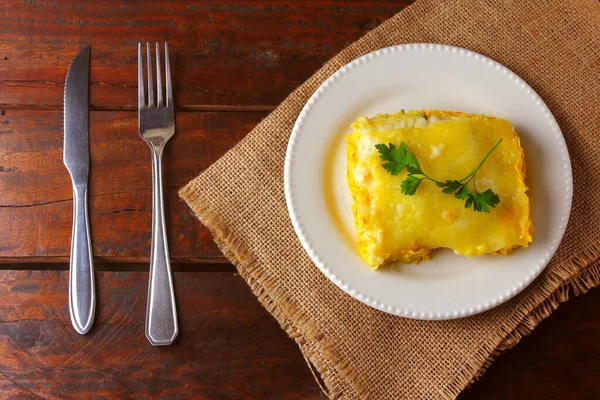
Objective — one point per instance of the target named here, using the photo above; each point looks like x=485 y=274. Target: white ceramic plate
x=417 y=76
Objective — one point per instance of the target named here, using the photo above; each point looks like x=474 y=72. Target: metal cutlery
x=157 y=126
x=76 y=156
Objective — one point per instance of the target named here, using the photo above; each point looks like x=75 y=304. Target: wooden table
x=233 y=62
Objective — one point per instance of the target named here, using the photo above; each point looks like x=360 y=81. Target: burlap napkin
x=360 y=352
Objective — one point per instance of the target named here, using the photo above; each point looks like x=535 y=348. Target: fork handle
x=82 y=297
x=161 y=313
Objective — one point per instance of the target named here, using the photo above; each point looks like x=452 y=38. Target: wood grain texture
x=231 y=55
x=223 y=53
x=36 y=195
x=101 y=266
x=558 y=360
x=231 y=348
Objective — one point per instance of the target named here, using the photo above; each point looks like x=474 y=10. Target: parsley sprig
x=397 y=158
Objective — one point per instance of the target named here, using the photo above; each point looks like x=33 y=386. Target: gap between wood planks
x=100 y=266
x=178 y=108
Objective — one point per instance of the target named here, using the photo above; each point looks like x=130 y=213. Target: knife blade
x=76 y=156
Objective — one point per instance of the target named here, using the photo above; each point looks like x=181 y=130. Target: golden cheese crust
x=391 y=226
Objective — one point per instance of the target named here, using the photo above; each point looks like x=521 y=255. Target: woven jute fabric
x=360 y=352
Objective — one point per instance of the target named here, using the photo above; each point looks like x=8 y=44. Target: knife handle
x=161 y=311
x=82 y=293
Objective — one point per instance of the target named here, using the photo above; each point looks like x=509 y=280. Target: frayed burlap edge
x=575 y=277
x=285 y=312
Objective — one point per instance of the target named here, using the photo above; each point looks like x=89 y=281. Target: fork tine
x=168 y=77
x=159 y=87
x=150 y=80
x=141 y=96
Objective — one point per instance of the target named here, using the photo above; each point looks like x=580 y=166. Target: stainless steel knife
x=82 y=294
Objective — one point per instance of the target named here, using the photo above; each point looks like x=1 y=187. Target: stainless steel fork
x=157 y=126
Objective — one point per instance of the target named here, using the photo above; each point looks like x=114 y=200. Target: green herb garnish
x=398 y=158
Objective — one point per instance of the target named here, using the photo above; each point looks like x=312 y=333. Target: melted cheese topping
x=391 y=226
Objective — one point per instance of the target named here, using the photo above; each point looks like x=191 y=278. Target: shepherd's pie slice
x=391 y=226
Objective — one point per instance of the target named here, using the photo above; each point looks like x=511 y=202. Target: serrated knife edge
x=76 y=156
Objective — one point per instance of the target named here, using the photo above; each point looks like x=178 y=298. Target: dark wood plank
x=559 y=360
x=120 y=267
x=239 y=52
x=229 y=347
x=36 y=194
